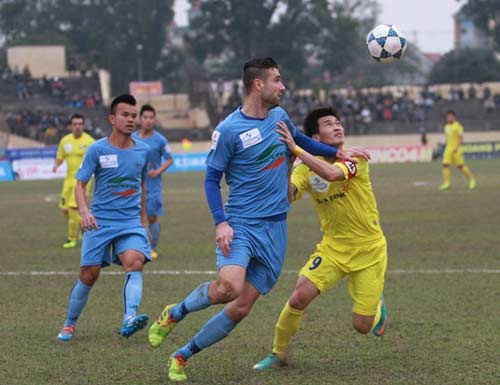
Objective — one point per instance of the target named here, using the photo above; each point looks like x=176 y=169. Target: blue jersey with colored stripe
x=160 y=152
x=118 y=181
x=255 y=163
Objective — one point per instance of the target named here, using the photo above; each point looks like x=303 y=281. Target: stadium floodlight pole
x=139 y=61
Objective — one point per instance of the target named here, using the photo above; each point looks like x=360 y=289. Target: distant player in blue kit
x=115 y=228
x=251 y=233
x=161 y=160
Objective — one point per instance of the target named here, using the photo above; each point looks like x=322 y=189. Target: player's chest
x=75 y=149
x=327 y=193
x=130 y=163
x=259 y=143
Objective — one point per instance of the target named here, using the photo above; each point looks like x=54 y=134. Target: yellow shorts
x=363 y=265
x=68 y=195
x=450 y=157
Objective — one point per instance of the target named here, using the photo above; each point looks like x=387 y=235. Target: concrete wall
x=49 y=60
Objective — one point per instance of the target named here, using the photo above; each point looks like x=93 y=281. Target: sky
x=427 y=23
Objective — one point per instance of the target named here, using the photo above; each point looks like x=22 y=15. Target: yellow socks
x=286 y=327
x=467 y=172
x=376 y=320
x=446 y=175
x=74 y=221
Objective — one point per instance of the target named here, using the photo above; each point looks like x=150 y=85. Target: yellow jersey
x=453 y=132
x=347 y=209
x=72 y=150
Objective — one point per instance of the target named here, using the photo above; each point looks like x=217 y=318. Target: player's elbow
x=333 y=174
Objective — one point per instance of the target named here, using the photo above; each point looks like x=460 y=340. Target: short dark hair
x=311 y=126
x=147 y=107
x=254 y=69
x=451 y=112
x=125 y=98
x=76 y=116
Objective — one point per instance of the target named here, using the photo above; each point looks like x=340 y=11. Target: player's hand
x=88 y=222
x=153 y=173
x=350 y=154
x=148 y=232
x=224 y=236
x=54 y=169
x=286 y=136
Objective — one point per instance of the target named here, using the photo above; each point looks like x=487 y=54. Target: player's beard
x=272 y=101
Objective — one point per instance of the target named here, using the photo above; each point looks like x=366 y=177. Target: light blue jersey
x=118 y=177
x=160 y=152
x=255 y=163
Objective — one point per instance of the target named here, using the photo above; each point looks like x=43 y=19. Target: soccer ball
x=386 y=43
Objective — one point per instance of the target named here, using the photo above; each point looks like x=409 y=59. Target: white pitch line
x=213 y=272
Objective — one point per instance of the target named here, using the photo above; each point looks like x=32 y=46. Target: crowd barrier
x=36 y=163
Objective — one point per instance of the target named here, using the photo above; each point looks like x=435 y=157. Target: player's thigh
x=447 y=157
x=268 y=249
x=96 y=247
x=458 y=157
x=154 y=204
x=131 y=247
x=367 y=285
x=322 y=270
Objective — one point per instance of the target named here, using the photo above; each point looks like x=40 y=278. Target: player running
x=252 y=238
x=117 y=221
x=453 y=151
x=71 y=149
x=353 y=243
x=161 y=160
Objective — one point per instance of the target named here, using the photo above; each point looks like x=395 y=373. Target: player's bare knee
x=239 y=312
x=362 y=325
x=134 y=265
x=226 y=291
x=299 y=300
x=89 y=276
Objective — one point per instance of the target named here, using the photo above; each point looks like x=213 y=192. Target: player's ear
x=111 y=118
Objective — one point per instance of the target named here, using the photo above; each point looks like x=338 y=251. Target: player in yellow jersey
x=71 y=149
x=353 y=243
x=453 y=152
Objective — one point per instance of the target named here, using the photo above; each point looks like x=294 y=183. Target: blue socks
x=77 y=301
x=132 y=293
x=154 y=229
x=214 y=330
x=196 y=300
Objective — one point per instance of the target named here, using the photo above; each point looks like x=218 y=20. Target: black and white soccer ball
x=386 y=43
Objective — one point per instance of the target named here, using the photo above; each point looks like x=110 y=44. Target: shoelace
x=181 y=364
x=166 y=322
x=68 y=329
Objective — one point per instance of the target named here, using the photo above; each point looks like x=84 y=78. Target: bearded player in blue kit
x=117 y=219
x=252 y=238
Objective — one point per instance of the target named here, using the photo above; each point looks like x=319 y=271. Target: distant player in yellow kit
x=72 y=148
x=353 y=243
x=453 y=152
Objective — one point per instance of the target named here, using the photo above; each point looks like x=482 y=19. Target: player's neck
x=120 y=140
x=145 y=132
x=254 y=107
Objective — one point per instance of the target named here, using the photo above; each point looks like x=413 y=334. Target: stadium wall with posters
x=476 y=150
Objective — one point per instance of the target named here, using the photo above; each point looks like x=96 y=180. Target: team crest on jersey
x=318 y=184
x=68 y=147
x=250 y=137
x=108 y=161
x=215 y=139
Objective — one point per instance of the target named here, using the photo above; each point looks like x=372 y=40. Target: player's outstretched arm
x=88 y=220
x=324 y=169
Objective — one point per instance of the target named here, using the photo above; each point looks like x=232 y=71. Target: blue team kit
x=255 y=163
x=159 y=153
x=117 y=201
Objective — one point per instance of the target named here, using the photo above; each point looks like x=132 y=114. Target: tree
x=468 y=65
x=307 y=37
x=486 y=14
x=105 y=32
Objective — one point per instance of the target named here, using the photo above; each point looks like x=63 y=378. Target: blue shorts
x=154 y=204
x=97 y=244
x=259 y=245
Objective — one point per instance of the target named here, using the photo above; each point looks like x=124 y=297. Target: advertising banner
x=400 y=154
x=476 y=150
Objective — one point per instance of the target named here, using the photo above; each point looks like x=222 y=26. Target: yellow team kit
x=353 y=243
